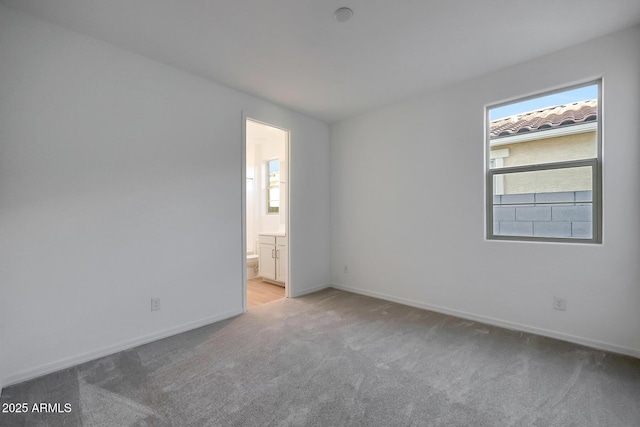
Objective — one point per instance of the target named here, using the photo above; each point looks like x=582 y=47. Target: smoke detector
x=343 y=14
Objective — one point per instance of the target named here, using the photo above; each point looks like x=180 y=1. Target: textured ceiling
x=293 y=53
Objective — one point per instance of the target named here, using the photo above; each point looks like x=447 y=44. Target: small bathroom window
x=273 y=186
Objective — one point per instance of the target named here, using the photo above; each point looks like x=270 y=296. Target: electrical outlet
x=559 y=303
x=155 y=304
x=346 y=268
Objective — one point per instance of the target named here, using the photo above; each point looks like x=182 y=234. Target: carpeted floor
x=339 y=359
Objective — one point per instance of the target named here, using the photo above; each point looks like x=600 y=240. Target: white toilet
x=252 y=266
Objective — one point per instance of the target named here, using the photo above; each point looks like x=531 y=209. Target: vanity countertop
x=273 y=233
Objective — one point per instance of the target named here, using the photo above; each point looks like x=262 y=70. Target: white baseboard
x=69 y=362
x=599 y=345
x=312 y=290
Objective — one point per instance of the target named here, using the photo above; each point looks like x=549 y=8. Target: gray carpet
x=338 y=359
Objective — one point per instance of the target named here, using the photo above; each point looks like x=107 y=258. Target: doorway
x=266 y=213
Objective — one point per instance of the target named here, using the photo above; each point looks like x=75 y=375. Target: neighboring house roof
x=546 y=118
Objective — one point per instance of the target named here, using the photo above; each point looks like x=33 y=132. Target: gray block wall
x=560 y=214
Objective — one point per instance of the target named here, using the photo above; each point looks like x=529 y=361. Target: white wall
x=120 y=180
x=408 y=206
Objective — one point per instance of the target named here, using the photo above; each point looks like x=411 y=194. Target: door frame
x=243 y=189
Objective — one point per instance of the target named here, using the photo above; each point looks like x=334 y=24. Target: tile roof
x=546 y=118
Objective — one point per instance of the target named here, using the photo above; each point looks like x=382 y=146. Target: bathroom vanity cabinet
x=273 y=258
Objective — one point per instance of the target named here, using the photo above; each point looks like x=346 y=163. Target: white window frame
x=492 y=189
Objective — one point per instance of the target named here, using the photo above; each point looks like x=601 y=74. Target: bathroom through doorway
x=266 y=190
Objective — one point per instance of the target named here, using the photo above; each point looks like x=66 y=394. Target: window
x=543 y=162
x=273 y=186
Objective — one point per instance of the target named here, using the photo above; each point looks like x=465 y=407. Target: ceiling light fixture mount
x=343 y=14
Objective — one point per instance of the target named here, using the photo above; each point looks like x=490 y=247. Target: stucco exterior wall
x=561 y=148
